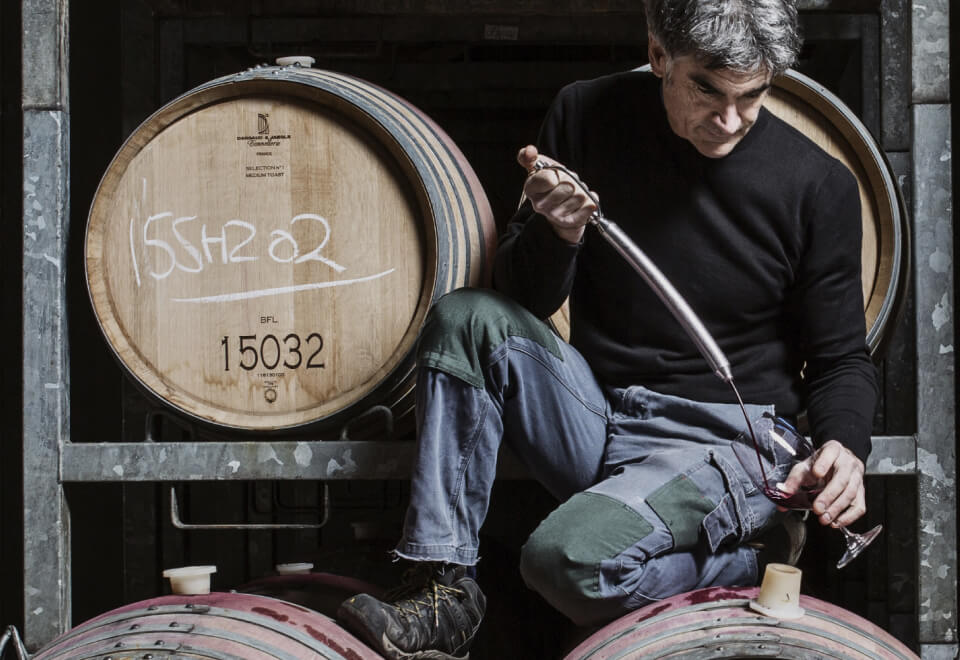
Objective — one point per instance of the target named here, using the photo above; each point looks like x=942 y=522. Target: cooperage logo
x=263 y=138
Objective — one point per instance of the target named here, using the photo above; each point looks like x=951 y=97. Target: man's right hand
x=556 y=196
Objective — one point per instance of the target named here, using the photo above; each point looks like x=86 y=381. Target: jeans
x=653 y=500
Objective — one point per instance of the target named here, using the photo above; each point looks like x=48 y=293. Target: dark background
x=489 y=94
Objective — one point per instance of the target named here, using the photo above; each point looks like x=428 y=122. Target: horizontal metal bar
x=503 y=9
x=242 y=461
x=316 y=460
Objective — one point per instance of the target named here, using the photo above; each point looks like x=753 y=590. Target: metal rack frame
x=915 y=129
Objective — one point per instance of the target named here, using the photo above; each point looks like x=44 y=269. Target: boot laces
x=429 y=598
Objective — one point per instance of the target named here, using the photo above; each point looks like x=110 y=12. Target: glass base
x=856 y=543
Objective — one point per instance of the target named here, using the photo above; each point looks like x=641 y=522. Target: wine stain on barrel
x=654 y=611
x=283 y=618
x=711 y=594
x=350 y=654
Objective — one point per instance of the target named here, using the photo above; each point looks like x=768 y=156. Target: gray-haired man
x=626 y=425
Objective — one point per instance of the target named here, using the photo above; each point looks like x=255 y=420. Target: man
x=627 y=425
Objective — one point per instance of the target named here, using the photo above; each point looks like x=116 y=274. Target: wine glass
x=768 y=466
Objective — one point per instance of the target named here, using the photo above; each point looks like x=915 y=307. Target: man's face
x=711 y=108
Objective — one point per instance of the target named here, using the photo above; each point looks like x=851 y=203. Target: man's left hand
x=843 y=499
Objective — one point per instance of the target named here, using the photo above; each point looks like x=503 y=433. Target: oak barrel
x=318 y=591
x=214 y=625
x=885 y=251
x=717 y=623
x=262 y=251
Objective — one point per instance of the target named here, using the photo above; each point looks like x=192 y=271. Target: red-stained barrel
x=717 y=623
x=215 y=625
x=322 y=592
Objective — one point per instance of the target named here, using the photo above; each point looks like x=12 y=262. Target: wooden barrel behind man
x=885 y=250
x=262 y=251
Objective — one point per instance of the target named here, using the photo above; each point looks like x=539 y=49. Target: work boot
x=434 y=614
x=782 y=543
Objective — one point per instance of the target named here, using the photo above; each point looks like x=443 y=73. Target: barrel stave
x=216 y=625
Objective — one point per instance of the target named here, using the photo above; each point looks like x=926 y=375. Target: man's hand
x=556 y=196
x=842 y=500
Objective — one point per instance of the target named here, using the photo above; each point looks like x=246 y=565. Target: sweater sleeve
x=533 y=265
x=839 y=375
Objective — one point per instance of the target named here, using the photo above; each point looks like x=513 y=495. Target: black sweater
x=764 y=244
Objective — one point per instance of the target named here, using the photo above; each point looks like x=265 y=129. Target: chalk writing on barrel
x=245 y=295
x=232 y=245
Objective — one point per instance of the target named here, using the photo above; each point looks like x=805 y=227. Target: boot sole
x=383 y=645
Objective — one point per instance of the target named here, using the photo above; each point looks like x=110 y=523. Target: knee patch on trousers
x=561 y=559
x=466 y=325
x=683 y=508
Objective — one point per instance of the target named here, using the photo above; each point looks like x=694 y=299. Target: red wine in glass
x=769 y=462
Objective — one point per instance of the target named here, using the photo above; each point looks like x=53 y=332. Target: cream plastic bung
x=190 y=580
x=779 y=594
x=299 y=568
x=293 y=60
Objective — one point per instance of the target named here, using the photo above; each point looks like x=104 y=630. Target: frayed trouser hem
x=436 y=553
